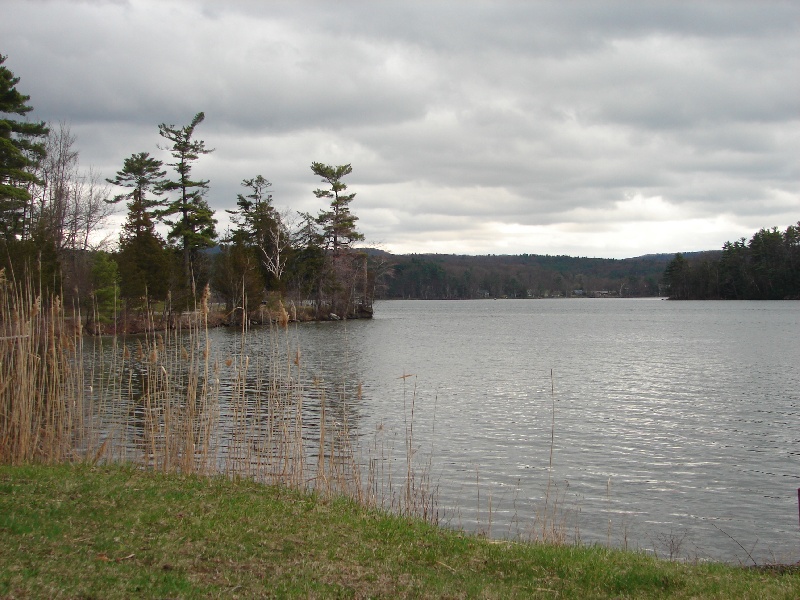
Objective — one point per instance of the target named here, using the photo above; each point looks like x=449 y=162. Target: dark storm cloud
x=599 y=128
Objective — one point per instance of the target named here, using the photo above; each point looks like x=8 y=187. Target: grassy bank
x=117 y=532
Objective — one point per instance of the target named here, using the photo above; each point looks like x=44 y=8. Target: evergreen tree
x=306 y=262
x=189 y=215
x=144 y=175
x=105 y=288
x=791 y=241
x=258 y=197
x=338 y=224
x=676 y=276
x=20 y=150
x=261 y=227
x=765 y=268
x=238 y=279
x=736 y=281
x=344 y=286
x=142 y=259
x=768 y=257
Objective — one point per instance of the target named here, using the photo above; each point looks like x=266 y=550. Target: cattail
x=66 y=343
x=204 y=300
x=283 y=316
x=297 y=357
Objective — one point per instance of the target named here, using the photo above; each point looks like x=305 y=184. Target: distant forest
x=456 y=277
x=767 y=267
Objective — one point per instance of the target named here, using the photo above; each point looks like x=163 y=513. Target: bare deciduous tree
x=274 y=252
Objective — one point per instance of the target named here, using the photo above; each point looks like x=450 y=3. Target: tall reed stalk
x=41 y=377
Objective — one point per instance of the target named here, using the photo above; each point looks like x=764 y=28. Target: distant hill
x=451 y=276
x=688 y=255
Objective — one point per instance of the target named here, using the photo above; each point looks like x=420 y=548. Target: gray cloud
x=591 y=128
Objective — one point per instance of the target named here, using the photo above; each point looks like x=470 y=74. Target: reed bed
x=42 y=399
x=164 y=401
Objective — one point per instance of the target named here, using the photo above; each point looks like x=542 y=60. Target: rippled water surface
x=673 y=425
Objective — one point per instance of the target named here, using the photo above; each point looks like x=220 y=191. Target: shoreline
x=128 y=324
x=116 y=531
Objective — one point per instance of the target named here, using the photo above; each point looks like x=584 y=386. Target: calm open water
x=675 y=425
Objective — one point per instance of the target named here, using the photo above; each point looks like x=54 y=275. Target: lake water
x=671 y=426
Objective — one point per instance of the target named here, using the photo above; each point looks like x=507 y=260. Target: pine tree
x=189 y=215
x=105 y=288
x=345 y=272
x=143 y=258
x=306 y=261
x=338 y=224
x=143 y=174
x=19 y=152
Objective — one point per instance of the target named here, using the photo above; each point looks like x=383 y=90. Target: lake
x=666 y=426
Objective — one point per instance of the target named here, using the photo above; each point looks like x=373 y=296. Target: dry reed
x=162 y=401
x=42 y=398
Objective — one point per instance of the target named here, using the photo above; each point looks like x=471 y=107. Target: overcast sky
x=608 y=129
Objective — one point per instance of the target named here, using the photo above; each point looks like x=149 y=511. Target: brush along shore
x=121 y=532
x=133 y=322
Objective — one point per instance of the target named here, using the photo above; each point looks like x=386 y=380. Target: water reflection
x=221 y=402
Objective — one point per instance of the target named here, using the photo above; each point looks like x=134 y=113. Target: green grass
x=117 y=532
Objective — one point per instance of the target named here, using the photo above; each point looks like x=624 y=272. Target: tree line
x=767 y=267
x=456 y=277
x=51 y=213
